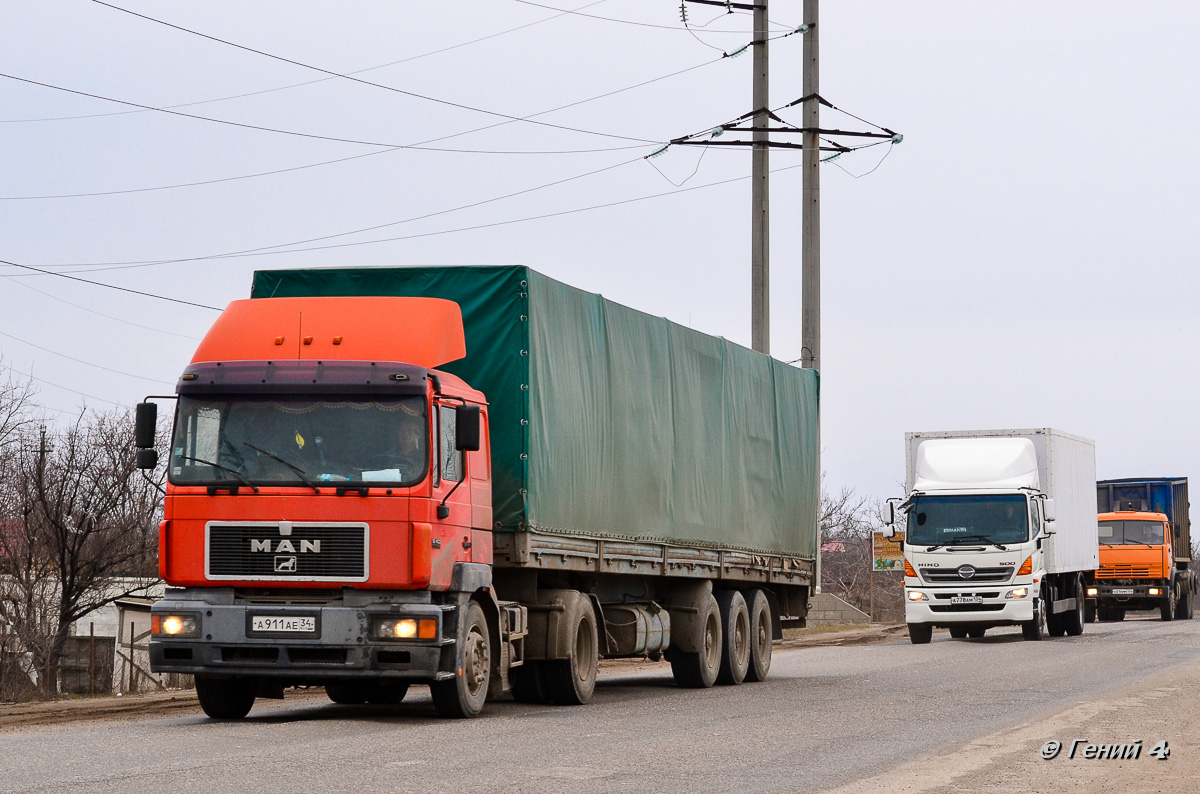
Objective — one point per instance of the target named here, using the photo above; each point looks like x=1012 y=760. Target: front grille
x=955 y=595
x=309 y=552
x=966 y=607
x=1124 y=572
x=981 y=575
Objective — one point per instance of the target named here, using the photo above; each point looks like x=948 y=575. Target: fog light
x=1155 y=591
x=917 y=595
x=175 y=625
x=1091 y=591
x=1017 y=592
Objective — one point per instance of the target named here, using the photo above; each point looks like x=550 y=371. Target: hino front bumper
x=991 y=604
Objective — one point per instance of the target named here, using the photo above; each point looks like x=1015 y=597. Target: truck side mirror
x=147 y=458
x=467 y=428
x=1048 y=509
x=144 y=424
x=889 y=519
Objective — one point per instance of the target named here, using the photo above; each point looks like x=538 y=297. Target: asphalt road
x=826 y=717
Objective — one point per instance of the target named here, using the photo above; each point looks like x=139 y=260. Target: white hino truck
x=1000 y=530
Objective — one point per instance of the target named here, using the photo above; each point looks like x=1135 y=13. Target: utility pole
x=760 y=193
x=810 y=217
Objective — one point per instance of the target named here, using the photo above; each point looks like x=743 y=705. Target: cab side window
x=450 y=460
x=1035 y=518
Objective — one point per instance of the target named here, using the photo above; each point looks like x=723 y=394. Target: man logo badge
x=285 y=565
x=964 y=571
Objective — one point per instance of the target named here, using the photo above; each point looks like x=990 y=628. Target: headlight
x=1091 y=591
x=1155 y=591
x=1019 y=592
x=917 y=595
x=175 y=625
x=404 y=629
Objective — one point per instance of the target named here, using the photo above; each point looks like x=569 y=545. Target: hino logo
x=966 y=571
x=284 y=546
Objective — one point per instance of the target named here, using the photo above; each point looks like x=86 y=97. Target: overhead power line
x=354 y=79
x=107 y=286
x=20 y=283
x=311 y=82
x=620 y=21
x=59 y=386
x=81 y=361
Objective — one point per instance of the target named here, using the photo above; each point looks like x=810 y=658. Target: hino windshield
x=299 y=441
x=955 y=520
x=1131 y=533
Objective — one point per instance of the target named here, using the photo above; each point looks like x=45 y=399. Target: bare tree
x=80 y=523
x=848 y=525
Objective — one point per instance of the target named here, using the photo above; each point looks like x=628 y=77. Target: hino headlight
x=1018 y=592
x=182 y=625
x=917 y=595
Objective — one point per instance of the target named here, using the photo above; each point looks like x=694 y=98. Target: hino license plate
x=966 y=599
x=1122 y=591
x=277 y=623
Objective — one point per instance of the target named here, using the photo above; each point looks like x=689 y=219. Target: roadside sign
x=887 y=553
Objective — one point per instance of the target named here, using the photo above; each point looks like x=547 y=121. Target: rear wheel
x=920 y=633
x=735 y=631
x=697 y=670
x=225 y=698
x=464 y=695
x=1186 y=607
x=1073 y=621
x=958 y=632
x=346 y=694
x=571 y=682
x=762 y=634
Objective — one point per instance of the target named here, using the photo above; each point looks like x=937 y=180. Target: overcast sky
x=1026 y=257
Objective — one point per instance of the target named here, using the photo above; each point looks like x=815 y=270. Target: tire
x=1089 y=613
x=1183 y=607
x=572 y=682
x=464 y=695
x=920 y=633
x=347 y=694
x=225 y=698
x=699 y=670
x=387 y=694
x=735 y=633
x=1166 y=608
x=1118 y=614
x=958 y=632
x=1074 y=620
x=1055 y=625
x=977 y=633
x=762 y=635
x=527 y=686
x=1035 y=629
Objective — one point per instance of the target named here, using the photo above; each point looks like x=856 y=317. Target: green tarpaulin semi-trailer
x=607 y=422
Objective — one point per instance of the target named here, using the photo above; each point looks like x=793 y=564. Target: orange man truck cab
x=343 y=509
x=1145 y=549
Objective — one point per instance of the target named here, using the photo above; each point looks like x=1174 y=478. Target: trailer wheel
x=1073 y=621
x=527 y=686
x=225 y=698
x=920 y=633
x=571 y=682
x=735 y=637
x=347 y=694
x=958 y=632
x=1036 y=629
x=761 y=635
x=464 y=695
x=699 y=670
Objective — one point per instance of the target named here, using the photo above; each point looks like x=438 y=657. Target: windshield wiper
x=982 y=539
x=303 y=475
x=237 y=474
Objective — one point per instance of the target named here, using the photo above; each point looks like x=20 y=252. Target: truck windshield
x=965 y=520
x=307 y=441
x=1131 y=533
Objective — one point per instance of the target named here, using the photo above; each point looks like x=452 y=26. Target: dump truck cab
x=1137 y=563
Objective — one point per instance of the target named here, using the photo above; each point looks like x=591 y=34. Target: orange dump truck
x=477 y=479
x=1145 y=549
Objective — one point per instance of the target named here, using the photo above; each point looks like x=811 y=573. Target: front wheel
x=225 y=698
x=1036 y=629
x=464 y=695
x=920 y=633
x=1166 y=608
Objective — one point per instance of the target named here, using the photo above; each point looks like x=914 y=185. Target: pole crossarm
x=723 y=4
x=770 y=144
